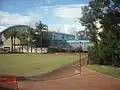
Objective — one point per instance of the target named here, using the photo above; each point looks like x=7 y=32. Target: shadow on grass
x=12 y=53
x=21 y=78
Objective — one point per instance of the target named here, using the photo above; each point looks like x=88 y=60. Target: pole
x=80 y=59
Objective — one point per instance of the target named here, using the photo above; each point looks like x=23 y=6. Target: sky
x=59 y=15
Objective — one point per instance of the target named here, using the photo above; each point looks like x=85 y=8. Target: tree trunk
x=31 y=48
x=36 y=49
x=22 y=47
x=41 y=42
x=31 y=45
x=12 y=44
x=27 y=48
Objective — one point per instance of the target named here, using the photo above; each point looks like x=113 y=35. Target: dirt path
x=68 y=78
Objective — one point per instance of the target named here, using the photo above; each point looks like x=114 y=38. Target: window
x=62 y=36
x=54 y=36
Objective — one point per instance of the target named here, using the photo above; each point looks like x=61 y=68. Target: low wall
x=26 y=49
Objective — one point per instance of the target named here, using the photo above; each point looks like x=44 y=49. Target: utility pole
x=80 y=66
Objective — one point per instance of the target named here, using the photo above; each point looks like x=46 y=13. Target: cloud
x=13 y=19
x=2 y=28
x=68 y=12
x=73 y=28
x=10 y=19
x=58 y=16
x=48 y=1
x=57 y=6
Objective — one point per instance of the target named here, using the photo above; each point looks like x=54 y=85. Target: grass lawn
x=33 y=64
x=109 y=70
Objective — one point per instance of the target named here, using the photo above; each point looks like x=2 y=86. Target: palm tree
x=27 y=37
x=11 y=33
x=14 y=32
x=22 y=36
x=39 y=29
x=30 y=37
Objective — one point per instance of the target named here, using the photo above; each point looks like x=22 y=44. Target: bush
x=52 y=50
x=61 y=49
x=105 y=54
x=78 y=50
x=116 y=54
x=93 y=56
x=71 y=50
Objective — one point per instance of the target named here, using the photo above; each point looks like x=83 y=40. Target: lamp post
x=80 y=66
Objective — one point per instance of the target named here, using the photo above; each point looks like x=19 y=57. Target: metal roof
x=78 y=41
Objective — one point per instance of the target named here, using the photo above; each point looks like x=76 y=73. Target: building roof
x=61 y=33
x=64 y=33
x=78 y=41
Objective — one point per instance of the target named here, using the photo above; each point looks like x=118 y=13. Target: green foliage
x=25 y=34
x=105 y=50
x=11 y=33
x=52 y=50
x=93 y=56
x=39 y=29
x=82 y=35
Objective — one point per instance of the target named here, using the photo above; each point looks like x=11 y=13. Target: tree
x=31 y=36
x=25 y=34
x=11 y=33
x=40 y=27
x=105 y=12
x=82 y=35
x=27 y=37
x=18 y=31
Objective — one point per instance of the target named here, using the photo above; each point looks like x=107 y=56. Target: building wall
x=7 y=42
x=59 y=39
x=1 y=41
x=61 y=36
x=77 y=43
x=55 y=40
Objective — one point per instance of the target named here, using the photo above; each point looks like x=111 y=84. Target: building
x=1 y=41
x=6 y=43
x=62 y=36
x=62 y=40
x=49 y=39
x=56 y=39
x=79 y=43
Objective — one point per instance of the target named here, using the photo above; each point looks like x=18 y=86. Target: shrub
x=105 y=54
x=52 y=50
x=93 y=56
